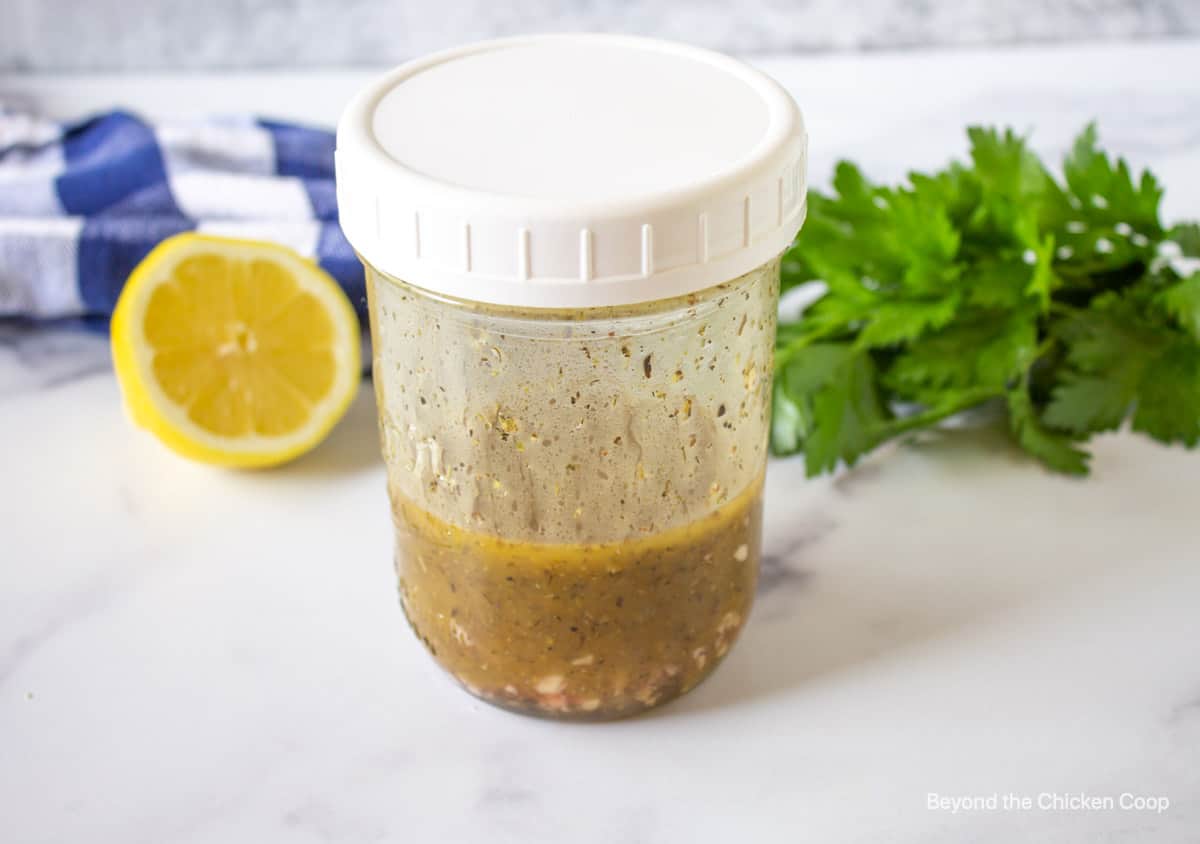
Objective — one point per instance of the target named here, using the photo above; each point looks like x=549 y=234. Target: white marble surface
x=191 y=655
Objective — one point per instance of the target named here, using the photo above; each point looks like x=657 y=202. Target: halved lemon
x=234 y=352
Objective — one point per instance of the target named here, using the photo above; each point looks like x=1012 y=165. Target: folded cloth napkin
x=81 y=203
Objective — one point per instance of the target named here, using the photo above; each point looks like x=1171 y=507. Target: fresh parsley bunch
x=1067 y=303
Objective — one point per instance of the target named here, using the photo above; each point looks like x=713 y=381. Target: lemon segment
x=234 y=352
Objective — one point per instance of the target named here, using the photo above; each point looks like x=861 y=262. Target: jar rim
x=634 y=318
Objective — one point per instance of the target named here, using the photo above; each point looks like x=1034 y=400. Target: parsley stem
x=933 y=415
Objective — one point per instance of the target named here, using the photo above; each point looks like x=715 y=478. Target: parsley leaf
x=1187 y=237
x=829 y=401
x=1064 y=300
x=1182 y=302
x=1169 y=397
x=1053 y=449
x=1105 y=192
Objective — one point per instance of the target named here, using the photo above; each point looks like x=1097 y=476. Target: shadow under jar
x=575 y=463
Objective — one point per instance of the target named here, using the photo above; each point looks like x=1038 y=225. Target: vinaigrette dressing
x=580 y=630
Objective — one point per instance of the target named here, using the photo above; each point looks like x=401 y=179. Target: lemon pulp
x=234 y=352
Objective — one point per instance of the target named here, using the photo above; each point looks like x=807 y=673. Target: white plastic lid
x=571 y=171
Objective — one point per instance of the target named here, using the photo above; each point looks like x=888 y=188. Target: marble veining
x=783 y=554
x=194 y=656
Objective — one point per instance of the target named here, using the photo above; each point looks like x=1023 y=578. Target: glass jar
x=577 y=494
x=575 y=448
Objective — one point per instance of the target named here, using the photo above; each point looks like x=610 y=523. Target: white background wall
x=192 y=34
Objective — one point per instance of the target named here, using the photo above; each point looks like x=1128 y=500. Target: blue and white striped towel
x=82 y=203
